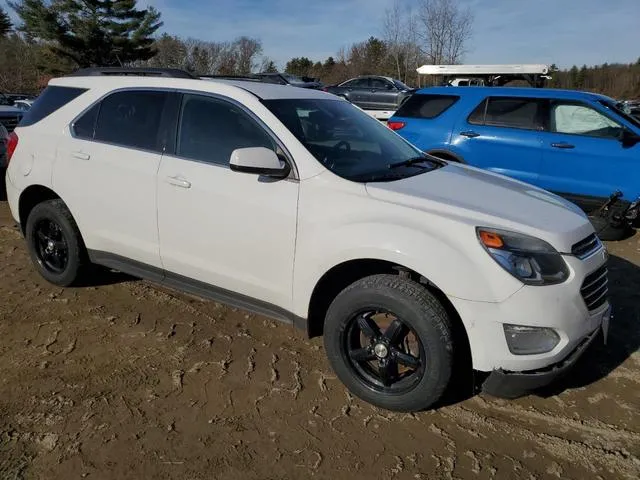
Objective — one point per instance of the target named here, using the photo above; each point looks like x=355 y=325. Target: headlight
x=530 y=260
x=530 y=340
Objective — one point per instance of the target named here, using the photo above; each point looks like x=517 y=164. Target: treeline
x=58 y=36
x=617 y=80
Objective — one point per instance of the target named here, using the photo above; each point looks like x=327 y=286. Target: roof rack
x=140 y=71
x=252 y=78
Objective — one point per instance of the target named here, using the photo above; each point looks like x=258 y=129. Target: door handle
x=564 y=145
x=470 y=134
x=178 y=182
x=81 y=155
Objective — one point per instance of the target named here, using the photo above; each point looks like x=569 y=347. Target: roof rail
x=253 y=78
x=140 y=71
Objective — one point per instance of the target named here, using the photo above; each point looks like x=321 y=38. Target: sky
x=564 y=32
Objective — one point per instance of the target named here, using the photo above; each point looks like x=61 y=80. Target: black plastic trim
x=195 y=287
x=507 y=384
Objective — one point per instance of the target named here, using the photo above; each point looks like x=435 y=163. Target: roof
x=265 y=91
x=512 y=69
x=514 y=92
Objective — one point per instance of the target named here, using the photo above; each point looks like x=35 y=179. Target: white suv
x=295 y=204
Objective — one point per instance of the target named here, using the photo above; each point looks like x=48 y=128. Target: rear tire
x=55 y=244
x=382 y=367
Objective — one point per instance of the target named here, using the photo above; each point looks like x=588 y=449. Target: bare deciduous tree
x=248 y=51
x=445 y=30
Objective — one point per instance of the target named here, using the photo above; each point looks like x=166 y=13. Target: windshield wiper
x=416 y=161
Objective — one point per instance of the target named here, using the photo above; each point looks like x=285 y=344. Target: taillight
x=12 y=143
x=396 y=125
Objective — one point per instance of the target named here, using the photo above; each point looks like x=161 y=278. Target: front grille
x=586 y=247
x=10 y=123
x=595 y=288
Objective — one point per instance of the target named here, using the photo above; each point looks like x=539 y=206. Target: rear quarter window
x=426 y=106
x=51 y=99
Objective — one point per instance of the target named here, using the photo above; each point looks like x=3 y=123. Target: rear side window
x=426 y=106
x=131 y=119
x=85 y=126
x=511 y=112
x=50 y=100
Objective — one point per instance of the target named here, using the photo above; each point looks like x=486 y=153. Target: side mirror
x=259 y=161
x=629 y=138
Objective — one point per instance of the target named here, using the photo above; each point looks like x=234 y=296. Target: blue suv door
x=502 y=134
x=584 y=156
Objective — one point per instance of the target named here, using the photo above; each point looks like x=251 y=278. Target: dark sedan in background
x=288 y=79
x=373 y=92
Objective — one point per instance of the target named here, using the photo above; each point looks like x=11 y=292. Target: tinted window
x=580 y=119
x=210 y=129
x=477 y=116
x=357 y=83
x=512 y=112
x=379 y=83
x=426 y=106
x=85 y=126
x=131 y=119
x=50 y=100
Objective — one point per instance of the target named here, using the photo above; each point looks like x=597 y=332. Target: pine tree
x=5 y=23
x=91 y=32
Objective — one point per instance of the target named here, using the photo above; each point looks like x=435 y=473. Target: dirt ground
x=126 y=381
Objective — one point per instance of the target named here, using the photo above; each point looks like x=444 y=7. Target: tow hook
x=632 y=211
x=603 y=211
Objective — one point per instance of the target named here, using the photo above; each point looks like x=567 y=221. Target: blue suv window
x=578 y=119
x=426 y=106
x=512 y=112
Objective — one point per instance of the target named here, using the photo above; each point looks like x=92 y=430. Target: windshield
x=292 y=78
x=349 y=142
x=620 y=110
x=400 y=85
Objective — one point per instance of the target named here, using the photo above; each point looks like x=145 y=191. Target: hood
x=484 y=198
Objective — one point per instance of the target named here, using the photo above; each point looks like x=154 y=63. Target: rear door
x=356 y=91
x=583 y=156
x=383 y=94
x=106 y=173
x=503 y=134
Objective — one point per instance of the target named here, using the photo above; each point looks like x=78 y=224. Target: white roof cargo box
x=471 y=70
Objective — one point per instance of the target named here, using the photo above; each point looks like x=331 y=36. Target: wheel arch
x=29 y=198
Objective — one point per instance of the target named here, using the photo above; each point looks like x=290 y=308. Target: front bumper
x=506 y=384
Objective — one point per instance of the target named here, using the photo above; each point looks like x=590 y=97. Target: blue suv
x=579 y=145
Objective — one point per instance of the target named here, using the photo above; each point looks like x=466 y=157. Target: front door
x=383 y=95
x=583 y=156
x=230 y=230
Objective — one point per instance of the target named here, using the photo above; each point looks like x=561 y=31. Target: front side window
x=579 y=119
x=349 y=142
x=131 y=119
x=512 y=112
x=210 y=129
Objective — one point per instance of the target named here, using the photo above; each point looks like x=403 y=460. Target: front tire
x=390 y=342
x=55 y=244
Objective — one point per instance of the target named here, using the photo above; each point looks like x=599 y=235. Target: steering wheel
x=342 y=143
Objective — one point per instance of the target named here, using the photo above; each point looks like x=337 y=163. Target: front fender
x=443 y=250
